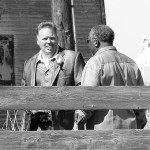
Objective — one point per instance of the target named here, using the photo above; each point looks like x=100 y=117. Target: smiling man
x=52 y=66
x=47 y=41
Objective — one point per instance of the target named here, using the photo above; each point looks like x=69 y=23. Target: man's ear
x=96 y=43
x=37 y=41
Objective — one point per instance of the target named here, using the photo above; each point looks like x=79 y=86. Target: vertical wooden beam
x=62 y=18
x=102 y=12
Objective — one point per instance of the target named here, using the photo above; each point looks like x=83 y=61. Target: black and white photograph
x=74 y=74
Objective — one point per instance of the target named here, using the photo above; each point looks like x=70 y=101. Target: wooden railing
x=57 y=98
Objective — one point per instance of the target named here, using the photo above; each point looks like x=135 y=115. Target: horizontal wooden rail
x=28 y=98
x=57 y=98
x=76 y=140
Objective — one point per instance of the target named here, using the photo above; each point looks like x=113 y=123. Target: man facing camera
x=52 y=66
x=108 y=67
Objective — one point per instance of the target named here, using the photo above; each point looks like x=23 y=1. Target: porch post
x=62 y=18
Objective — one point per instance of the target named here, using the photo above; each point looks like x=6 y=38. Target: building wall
x=20 y=18
x=88 y=13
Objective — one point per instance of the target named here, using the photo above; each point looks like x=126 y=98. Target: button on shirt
x=45 y=71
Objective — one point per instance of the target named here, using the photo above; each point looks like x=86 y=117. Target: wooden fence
x=32 y=98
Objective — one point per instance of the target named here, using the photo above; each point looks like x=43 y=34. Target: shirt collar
x=106 y=49
x=45 y=60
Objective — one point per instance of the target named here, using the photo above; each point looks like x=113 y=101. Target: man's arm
x=140 y=113
x=23 y=83
x=88 y=81
x=78 y=68
x=90 y=75
x=140 y=80
x=82 y=115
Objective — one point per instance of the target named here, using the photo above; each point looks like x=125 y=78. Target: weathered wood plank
x=88 y=13
x=45 y=98
x=62 y=18
x=102 y=140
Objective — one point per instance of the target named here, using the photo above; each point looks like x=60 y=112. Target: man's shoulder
x=31 y=59
x=126 y=58
x=131 y=63
x=68 y=52
x=71 y=55
x=71 y=52
x=93 y=61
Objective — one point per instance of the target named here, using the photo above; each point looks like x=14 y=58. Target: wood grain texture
x=16 y=98
x=88 y=13
x=77 y=140
x=62 y=18
x=20 y=18
x=75 y=98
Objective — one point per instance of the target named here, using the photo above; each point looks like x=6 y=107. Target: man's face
x=47 y=41
x=91 y=45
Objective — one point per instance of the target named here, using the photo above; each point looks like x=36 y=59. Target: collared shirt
x=44 y=60
x=101 y=50
x=111 y=68
x=45 y=70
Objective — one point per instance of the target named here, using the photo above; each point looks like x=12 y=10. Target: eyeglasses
x=89 y=39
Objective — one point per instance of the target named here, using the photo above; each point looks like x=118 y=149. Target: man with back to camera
x=52 y=66
x=108 y=67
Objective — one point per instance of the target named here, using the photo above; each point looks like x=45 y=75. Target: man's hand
x=79 y=116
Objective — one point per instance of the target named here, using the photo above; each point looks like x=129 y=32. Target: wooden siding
x=20 y=18
x=88 y=13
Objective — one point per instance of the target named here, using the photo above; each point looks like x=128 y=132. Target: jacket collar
x=45 y=60
x=58 y=67
x=34 y=65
